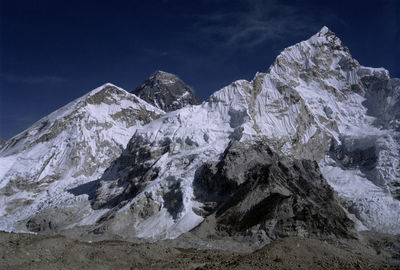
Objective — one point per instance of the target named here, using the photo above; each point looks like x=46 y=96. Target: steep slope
x=315 y=103
x=166 y=91
x=74 y=145
x=2 y=142
x=254 y=195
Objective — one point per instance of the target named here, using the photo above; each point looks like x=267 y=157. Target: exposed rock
x=2 y=142
x=166 y=91
x=259 y=196
x=130 y=173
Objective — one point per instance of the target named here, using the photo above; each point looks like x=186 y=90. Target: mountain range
x=311 y=147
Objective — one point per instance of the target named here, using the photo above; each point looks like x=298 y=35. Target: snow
x=86 y=139
x=302 y=105
x=297 y=117
x=371 y=204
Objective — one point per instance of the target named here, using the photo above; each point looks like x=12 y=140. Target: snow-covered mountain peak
x=315 y=103
x=70 y=146
x=327 y=37
x=324 y=30
x=98 y=104
x=325 y=33
x=322 y=55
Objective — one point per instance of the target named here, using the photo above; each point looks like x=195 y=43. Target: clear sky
x=53 y=51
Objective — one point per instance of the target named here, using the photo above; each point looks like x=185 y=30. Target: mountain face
x=166 y=91
x=2 y=142
x=315 y=103
x=71 y=146
x=310 y=148
x=254 y=195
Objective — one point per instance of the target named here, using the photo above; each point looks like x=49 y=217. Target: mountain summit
x=166 y=91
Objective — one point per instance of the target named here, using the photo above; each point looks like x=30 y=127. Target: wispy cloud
x=30 y=79
x=258 y=22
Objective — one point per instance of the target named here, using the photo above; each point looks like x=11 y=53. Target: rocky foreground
x=29 y=251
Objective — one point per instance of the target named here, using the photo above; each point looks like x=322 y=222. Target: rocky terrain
x=166 y=91
x=27 y=251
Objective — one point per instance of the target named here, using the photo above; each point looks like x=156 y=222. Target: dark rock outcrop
x=166 y=91
x=131 y=179
x=2 y=142
x=253 y=193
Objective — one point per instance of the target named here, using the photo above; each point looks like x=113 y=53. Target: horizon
x=53 y=53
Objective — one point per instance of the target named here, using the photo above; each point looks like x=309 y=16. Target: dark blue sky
x=52 y=52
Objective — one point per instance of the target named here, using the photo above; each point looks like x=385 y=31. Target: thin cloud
x=44 y=79
x=259 y=22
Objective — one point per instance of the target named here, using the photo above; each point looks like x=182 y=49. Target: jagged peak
x=325 y=35
x=318 y=50
x=324 y=31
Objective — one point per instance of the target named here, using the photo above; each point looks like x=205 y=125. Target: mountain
x=315 y=103
x=70 y=147
x=309 y=148
x=2 y=142
x=166 y=91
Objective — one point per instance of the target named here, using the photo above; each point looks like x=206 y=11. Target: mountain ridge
x=315 y=102
x=67 y=147
x=294 y=115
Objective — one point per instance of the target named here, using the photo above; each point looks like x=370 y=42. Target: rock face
x=257 y=195
x=2 y=142
x=166 y=91
x=40 y=167
x=251 y=194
